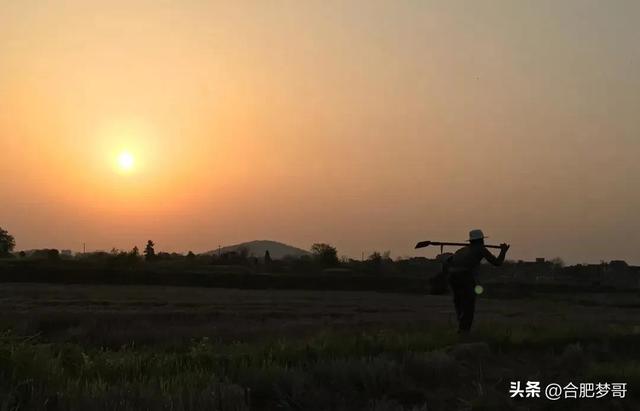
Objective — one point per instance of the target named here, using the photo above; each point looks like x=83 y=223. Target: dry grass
x=125 y=348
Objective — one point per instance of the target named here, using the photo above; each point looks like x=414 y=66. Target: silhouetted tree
x=191 y=255
x=133 y=257
x=267 y=257
x=7 y=242
x=163 y=255
x=53 y=254
x=325 y=254
x=149 y=252
x=375 y=258
x=378 y=263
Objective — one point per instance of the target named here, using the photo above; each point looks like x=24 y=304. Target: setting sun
x=125 y=161
x=187 y=179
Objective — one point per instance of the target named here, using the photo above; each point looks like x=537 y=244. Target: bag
x=438 y=283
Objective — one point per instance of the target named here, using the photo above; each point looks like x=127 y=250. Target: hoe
x=423 y=244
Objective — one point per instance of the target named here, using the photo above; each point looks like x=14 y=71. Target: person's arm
x=497 y=261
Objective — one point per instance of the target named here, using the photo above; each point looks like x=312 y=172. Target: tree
x=7 y=242
x=191 y=255
x=53 y=254
x=379 y=262
x=325 y=254
x=149 y=252
x=375 y=258
x=133 y=256
x=267 y=257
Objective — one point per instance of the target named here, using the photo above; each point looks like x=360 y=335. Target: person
x=461 y=268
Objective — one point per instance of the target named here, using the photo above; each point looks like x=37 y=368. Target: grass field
x=179 y=348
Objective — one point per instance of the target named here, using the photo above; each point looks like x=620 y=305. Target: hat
x=476 y=235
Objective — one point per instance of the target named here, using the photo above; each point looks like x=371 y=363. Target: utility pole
x=84 y=248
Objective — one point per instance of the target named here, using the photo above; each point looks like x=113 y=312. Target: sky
x=369 y=125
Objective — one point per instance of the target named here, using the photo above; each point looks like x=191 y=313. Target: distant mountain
x=257 y=248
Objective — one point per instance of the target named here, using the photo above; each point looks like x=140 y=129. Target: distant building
x=619 y=274
x=618 y=265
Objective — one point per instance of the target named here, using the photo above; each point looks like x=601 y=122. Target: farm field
x=149 y=347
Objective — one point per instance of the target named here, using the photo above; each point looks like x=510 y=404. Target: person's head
x=476 y=237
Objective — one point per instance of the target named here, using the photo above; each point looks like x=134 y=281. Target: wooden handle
x=423 y=244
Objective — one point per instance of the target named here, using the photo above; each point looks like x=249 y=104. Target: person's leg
x=457 y=298
x=468 y=308
x=471 y=307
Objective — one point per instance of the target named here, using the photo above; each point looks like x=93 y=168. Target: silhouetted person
x=461 y=268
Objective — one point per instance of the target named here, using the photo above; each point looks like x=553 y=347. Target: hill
x=258 y=247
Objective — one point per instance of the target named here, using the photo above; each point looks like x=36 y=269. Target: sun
x=126 y=161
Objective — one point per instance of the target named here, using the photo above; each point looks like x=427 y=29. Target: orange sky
x=369 y=125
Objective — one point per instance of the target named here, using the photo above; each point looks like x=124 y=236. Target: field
x=180 y=348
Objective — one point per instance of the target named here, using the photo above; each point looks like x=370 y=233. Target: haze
x=369 y=125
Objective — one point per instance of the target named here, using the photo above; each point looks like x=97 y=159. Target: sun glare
x=125 y=161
